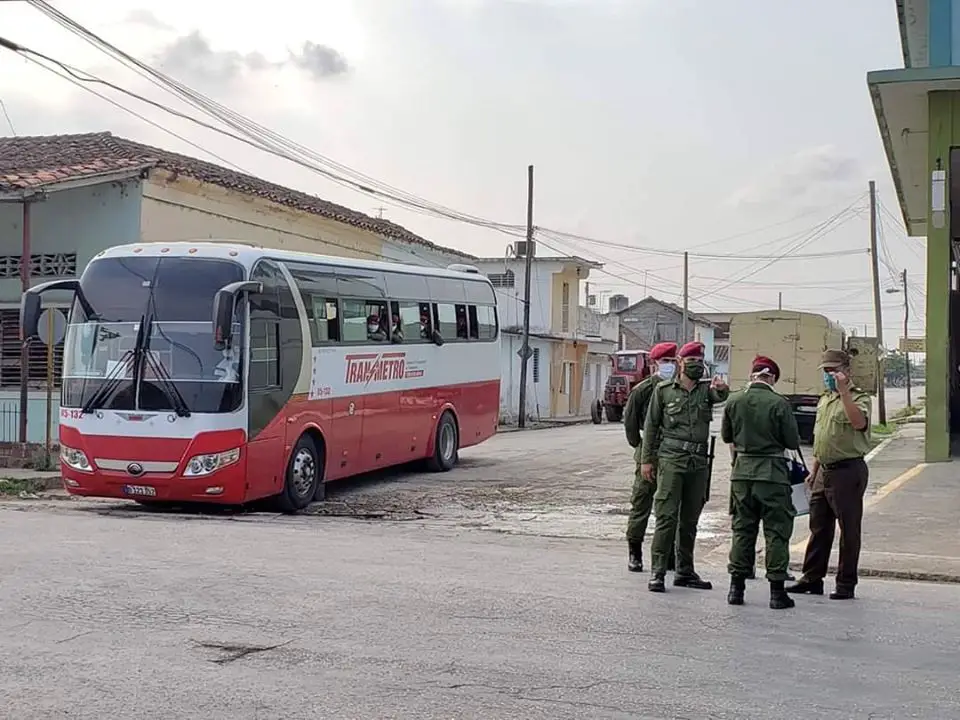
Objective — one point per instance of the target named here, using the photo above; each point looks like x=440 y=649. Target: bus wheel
x=446 y=446
x=303 y=475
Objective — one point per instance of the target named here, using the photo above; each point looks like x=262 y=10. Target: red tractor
x=629 y=368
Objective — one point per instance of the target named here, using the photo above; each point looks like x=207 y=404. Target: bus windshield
x=173 y=297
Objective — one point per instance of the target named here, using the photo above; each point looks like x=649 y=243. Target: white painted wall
x=596 y=370
x=538 y=383
x=705 y=335
x=510 y=300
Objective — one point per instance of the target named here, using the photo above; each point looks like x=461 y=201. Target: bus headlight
x=201 y=465
x=76 y=459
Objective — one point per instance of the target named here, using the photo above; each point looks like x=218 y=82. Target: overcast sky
x=671 y=125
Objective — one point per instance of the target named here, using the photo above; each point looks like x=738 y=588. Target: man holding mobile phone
x=838 y=479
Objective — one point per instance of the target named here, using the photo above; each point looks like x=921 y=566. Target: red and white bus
x=226 y=373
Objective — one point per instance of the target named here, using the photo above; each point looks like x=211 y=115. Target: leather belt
x=685 y=445
x=840 y=464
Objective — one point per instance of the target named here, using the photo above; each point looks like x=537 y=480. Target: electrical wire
x=3 y=107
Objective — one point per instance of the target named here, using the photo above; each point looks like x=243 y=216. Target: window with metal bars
x=37 y=363
x=503 y=280
x=52 y=265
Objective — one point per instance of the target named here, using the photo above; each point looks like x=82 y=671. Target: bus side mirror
x=437 y=338
x=31 y=306
x=224 y=304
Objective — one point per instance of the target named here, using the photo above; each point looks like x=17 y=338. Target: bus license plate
x=143 y=490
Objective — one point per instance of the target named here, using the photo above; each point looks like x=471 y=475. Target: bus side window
x=426 y=322
x=264 y=354
x=365 y=321
x=446 y=319
x=324 y=319
x=486 y=322
x=462 y=324
x=474 y=328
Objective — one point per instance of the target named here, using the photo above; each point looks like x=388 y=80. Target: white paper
x=801 y=498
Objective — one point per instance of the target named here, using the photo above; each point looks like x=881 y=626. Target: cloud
x=146 y=18
x=192 y=56
x=803 y=179
x=319 y=61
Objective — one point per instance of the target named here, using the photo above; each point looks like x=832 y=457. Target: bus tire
x=446 y=445
x=303 y=475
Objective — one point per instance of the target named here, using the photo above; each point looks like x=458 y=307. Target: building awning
x=901 y=105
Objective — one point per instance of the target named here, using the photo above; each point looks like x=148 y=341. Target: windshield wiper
x=115 y=377
x=165 y=381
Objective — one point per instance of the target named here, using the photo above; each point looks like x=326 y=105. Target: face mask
x=694 y=369
x=830 y=381
x=372 y=328
x=665 y=370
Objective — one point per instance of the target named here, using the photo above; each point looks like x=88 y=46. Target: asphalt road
x=119 y=616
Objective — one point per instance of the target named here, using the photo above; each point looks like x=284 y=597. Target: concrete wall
x=510 y=299
x=538 y=377
x=181 y=208
x=650 y=323
x=81 y=221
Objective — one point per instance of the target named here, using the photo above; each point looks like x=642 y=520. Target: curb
x=43 y=482
x=910 y=575
x=545 y=425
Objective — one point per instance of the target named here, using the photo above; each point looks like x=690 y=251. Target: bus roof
x=247 y=254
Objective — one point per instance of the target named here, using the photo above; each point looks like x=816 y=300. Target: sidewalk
x=911 y=525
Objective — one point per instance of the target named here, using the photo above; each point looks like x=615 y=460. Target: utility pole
x=779 y=301
x=686 y=297
x=878 y=315
x=525 y=351
x=906 y=334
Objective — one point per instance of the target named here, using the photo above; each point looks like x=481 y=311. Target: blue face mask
x=829 y=381
x=666 y=370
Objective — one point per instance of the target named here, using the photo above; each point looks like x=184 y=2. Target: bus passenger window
x=264 y=354
x=325 y=321
x=447 y=320
x=486 y=322
x=474 y=329
x=426 y=322
x=411 y=320
x=462 y=325
x=364 y=320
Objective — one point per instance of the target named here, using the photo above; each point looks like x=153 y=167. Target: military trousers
x=678 y=501
x=641 y=505
x=753 y=503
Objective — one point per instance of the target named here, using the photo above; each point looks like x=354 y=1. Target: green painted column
x=944 y=122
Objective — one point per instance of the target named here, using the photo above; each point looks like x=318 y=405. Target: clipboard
x=801 y=498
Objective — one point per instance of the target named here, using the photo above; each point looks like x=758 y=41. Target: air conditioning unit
x=520 y=249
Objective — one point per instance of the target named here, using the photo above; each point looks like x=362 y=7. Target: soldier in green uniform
x=663 y=356
x=676 y=433
x=838 y=479
x=759 y=426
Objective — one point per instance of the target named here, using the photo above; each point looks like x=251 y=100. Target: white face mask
x=372 y=328
x=666 y=370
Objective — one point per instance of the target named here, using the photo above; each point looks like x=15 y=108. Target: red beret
x=663 y=350
x=692 y=349
x=765 y=364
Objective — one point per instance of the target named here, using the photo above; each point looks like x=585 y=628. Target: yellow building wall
x=556 y=301
x=181 y=208
x=565 y=395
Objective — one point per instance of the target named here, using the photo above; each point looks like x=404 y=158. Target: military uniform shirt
x=678 y=414
x=636 y=410
x=834 y=438
x=759 y=423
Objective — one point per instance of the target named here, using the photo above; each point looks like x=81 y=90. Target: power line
x=3 y=107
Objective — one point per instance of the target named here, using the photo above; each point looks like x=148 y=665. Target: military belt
x=685 y=445
x=840 y=464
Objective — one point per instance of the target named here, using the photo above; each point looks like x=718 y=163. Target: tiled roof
x=693 y=317
x=32 y=162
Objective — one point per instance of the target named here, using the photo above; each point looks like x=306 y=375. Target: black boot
x=656 y=584
x=806 y=587
x=692 y=580
x=738 y=586
x=779 y=600
x=635 y=560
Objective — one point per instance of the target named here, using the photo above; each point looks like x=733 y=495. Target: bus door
x=276 y=346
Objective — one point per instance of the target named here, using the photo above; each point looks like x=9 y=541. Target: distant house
x=570 y=344
x=721 y=341
x=67 y=197
x=651 y=320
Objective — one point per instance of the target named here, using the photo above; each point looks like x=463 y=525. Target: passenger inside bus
x=375 y=328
